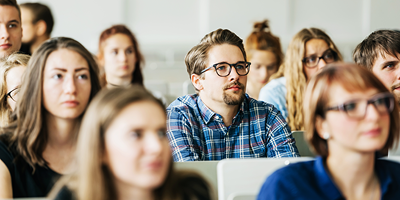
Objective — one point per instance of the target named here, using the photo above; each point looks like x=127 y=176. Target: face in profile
x=312 y=61
x=10 y=30
x=362 y=127
x=137 y=150
x=66 y=84
x=119 y=56
x=28 y=28
x=387 y=69
x=229 y=89
x=13 y=80
x=263 y=65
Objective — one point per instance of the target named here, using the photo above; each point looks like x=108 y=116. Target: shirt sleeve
x=281 y=143
x=180 y=137
x=273 y=95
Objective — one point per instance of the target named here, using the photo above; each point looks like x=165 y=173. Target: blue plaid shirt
x=195 y=132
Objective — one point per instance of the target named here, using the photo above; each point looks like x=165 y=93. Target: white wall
x=167 y=29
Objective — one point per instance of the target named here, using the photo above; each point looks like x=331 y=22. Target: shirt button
x=216 y=117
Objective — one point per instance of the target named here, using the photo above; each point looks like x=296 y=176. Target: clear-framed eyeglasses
x=223 y=69
x=357 y=109
x=329 y=56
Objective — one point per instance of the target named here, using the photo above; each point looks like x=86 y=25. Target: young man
x=380 y=53
x=10 y=27
x=37 y=24
x=221 y=121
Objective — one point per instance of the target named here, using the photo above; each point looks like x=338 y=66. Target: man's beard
x=236 y=98
x=396 y=94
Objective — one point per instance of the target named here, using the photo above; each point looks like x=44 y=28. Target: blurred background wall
x=167 y=29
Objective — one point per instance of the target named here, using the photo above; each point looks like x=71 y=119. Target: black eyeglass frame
x=9 y=93
x=230 y=68
x=341 y=107
x=335 y=57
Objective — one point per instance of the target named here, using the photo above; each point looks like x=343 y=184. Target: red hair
x=137 y=77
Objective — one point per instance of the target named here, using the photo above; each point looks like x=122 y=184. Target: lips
x=71 y=103
x=155 y=165
x=5 y=46
x=373 y=132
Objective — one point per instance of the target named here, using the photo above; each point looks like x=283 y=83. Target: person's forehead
x=383 y=57
x=8 y=13
x=225 y=53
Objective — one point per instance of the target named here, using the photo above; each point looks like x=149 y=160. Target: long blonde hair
x=293 y=70
x=93 y=179
x=6 y=64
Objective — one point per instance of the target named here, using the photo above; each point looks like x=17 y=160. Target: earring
x=326 y=136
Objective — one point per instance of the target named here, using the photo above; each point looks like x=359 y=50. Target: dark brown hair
x=137 y=76
x=262 y=39
x=352 y=78
x=41 y=12
x=377 y=43
x=12 y=3
x=28 y=129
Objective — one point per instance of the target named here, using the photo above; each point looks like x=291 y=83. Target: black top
x=25 y=182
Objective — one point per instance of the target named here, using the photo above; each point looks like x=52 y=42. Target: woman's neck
x=118 y=81
x=60 y=131
x=353 y=173
x=127 y=192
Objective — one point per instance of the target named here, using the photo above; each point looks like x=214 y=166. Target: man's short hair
x=12 y=3
x=41 y=12
x=196 y=58
x=381 y=42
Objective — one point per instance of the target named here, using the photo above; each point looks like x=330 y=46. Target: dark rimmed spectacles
x=13 y=94
x=329 y=56
x=383 y=102
x=224 y=69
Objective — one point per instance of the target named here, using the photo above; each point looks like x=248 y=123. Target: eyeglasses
x=13 y=94
x=383 y=102
x=329 y=56
x=224 y=69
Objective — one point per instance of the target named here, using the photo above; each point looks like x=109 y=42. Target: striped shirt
x=197 y=133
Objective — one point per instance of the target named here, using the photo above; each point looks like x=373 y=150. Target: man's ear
x=196 y=81
x=41 y=28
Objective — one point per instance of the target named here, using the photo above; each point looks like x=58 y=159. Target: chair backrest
x=208 y=169
x=243 y=178
x=302 y=145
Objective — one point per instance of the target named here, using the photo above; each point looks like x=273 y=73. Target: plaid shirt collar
x=207 y=114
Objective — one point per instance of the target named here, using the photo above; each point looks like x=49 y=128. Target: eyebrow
x=76 y=70
x=389 y=62
x=13 y=21
x=314 y=54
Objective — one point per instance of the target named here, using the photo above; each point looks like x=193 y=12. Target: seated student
x=37 y=25
x=11 y=71
x=309 y=51
x=123 y=153
x=349 y=117
x=265 y=54
x=380 y=53
x=221 y=121
x=120 y=57
x=39 y=144
x=10 y=27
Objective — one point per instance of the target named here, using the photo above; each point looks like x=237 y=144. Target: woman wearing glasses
x=264 y=52
x=350 y=118
x=11 y=71
x=38 y=145
x=309 y=51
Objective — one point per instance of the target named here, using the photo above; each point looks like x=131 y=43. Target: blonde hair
x=293 y=70
x=93 y=180
x=261 y=39
x=6 y=64
x=352 y=78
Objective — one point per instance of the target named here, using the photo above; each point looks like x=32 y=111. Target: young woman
x=11 y=71
x=309 y=51
x=39 y=144
x=120 y=57
x=350 y=116
x=264 y=52
x=124 y=153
